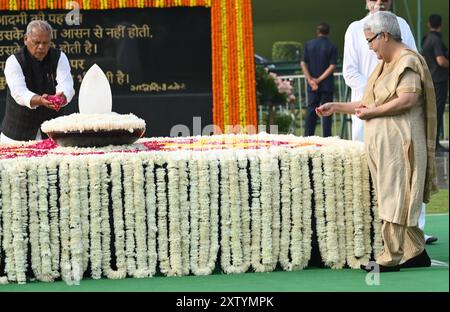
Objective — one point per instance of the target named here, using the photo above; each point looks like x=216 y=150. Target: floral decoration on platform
x=171 y=205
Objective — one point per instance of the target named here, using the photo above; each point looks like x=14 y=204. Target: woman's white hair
x=384 y=21
x=39 y=24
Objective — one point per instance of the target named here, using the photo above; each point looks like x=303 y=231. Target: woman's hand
x=364 y=112
x=326 y=109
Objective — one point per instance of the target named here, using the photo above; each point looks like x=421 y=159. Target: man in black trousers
x=436 y=54
x=318 y=64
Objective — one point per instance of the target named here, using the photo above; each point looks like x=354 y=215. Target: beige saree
x=401 y=149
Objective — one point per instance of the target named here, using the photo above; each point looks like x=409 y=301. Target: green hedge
x=286 y=51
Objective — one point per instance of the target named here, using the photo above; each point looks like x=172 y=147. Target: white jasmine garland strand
x=194 y=213
x=214 y=215
x=119 y=224
x=287 y=210
x=225 y=245
x=150 y=197
x=7 y=242
x=349 y=208
x=256 y=214
x=95 y=218
x=296 y=227
x=204 y=218
x=340 y=212
x=276 y=190
x=84 y=207
x=268 y=167
x=25 y=218
x=36 y=264
x=184 y=210
x=366 y=203
x=239 y=250
x=44 y=224
x=76 y=235
x=163 y=250
x=330 y=208
x=129 y=217
x=141 y=227
x=358 y=217
x=64 y=205
x=17 y=232
x=245 y=209
x=319 y=205
x=174 y=233
x=52 y=172
x=307 y=208
x=104 y=220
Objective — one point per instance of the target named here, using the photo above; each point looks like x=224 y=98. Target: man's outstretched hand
x=58 y=100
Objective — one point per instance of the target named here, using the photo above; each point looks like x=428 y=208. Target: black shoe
x=420 y=261
x=381 y=268
x=430 y=240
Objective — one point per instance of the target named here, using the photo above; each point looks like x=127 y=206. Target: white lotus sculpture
x=95 y=93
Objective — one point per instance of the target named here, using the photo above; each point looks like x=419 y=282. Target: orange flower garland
x=233 y=73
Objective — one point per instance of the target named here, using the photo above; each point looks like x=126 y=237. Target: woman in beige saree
x=400 y=121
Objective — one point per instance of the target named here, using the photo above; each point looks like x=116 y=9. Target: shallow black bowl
x=96 y=138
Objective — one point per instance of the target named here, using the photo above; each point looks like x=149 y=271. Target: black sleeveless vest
x=21 y=123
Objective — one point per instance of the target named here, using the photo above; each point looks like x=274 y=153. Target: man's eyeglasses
x=369 y=41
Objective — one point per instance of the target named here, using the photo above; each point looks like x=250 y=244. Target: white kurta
x=360 y=61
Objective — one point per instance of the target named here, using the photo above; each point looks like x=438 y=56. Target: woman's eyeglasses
x=369 y=41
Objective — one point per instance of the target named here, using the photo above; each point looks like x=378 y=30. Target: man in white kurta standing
x=360 y=61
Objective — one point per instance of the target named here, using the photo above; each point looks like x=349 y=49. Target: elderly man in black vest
x=33 y=74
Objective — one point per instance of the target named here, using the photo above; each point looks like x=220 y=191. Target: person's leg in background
x=429 y=239
x=440 y=89
x=326 y=97
x=311 y=116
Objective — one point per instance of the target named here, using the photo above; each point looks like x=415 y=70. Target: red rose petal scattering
x=58 y=101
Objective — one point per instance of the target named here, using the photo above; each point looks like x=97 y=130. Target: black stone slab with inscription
x=158 y=61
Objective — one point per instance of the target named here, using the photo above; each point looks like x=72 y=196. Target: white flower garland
x=276 y=199
x=33 y=190
x=174 y=230
x=184 y=215
x=340 y=211
x=319 y=210
x=84 y=205
x=244 y=210
x=150 y=196
x=358 y=215
x=163 y=244
x=43 y=244
x=307 y=208
x=173 y=216
x=119 y=225
x=95 y=212
x=330 y=208
x=7 y=228
x=52 y=172
x=17 y=228
x=290 y=211
x=141 y=227
x=129 y=213
x=365 y=194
